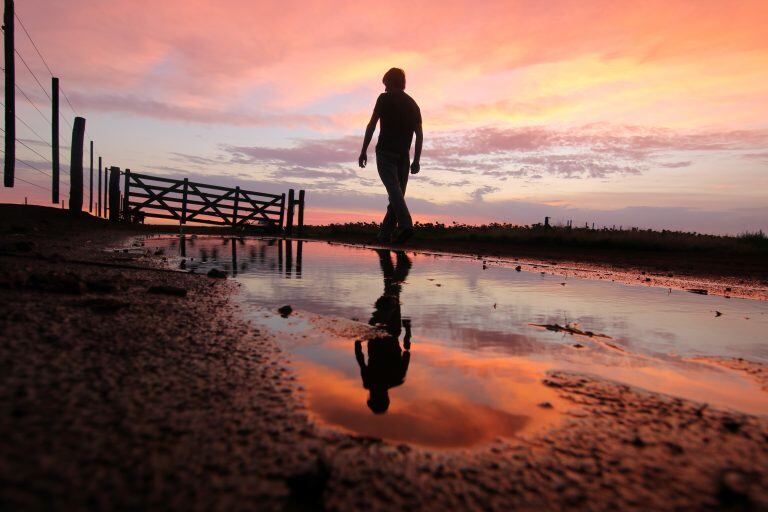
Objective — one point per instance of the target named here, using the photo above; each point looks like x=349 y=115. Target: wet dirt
x=178 y=403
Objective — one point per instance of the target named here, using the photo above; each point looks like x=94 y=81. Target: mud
x=112 y=397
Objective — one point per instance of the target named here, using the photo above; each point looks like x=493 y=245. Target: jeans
x=393 y=171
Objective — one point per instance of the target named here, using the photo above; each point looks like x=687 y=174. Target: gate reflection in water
x=206 y=255
x=457 y=362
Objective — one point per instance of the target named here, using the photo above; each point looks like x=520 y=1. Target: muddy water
x=457 y=359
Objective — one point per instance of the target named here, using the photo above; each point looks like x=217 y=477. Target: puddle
x=476 y=359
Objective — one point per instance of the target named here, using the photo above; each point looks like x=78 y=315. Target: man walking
x=400 y=119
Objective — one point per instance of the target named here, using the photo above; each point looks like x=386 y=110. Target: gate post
x=184 y=202
x=114 y=194
x=127 y=196
x=289 y=222
x=301 y=212
x=234 y=212
x=106 y=192
x=282 y=211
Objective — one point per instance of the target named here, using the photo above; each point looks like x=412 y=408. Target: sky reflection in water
x=475 y=364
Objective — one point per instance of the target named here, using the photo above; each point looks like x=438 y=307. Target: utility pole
x=55 y=139
x=9 y=170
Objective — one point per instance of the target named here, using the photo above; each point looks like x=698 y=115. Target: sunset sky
x=651 y=114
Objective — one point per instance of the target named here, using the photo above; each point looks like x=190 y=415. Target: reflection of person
x=387 y=361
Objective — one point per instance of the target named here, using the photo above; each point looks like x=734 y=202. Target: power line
x=33 y=184
x=32 y=103
x=65 y=119
x=33 y=131
x=68 y=102
x=42 y=58
x=32 y=167
x=32 y=72
x=33 y=43
x=2 y=105
x=32 y=150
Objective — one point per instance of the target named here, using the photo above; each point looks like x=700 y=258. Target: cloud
x=595 y=151
x=306 y=153
x=147 y=107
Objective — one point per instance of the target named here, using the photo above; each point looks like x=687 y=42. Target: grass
x=500 y=234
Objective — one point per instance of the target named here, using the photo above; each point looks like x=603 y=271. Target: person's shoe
x=403 y=236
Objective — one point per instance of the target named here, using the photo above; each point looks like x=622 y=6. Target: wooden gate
x=190 y=202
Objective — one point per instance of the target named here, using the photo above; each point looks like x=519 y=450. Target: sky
x=649 y=114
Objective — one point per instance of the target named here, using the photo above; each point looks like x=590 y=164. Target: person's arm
x=359 y=354
x=416 y=165
x=367 y=140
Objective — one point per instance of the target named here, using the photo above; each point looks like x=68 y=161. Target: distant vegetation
x=538 y=235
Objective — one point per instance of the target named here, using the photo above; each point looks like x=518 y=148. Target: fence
x=41 y=156
x=144 y=195
x=185 y=201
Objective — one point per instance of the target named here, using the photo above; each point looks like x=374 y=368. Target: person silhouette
x=400 y=118
x=387 y=361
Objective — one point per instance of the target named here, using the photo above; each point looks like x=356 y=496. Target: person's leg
x=403 y=171
x=389 y=166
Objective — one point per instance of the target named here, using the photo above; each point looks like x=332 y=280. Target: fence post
x=106 y=192
x=76 y=167
x=301 y=212
x=234 y=208
x=288 y=258
x=55 y=172
x=98 y=198
x=90 y=184
x=289 y=222
x=114 y=194
x=10 y=95
x=127 y=196
x=184 y=202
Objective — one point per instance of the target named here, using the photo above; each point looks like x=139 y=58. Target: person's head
x=378 y=402
x=394 y=80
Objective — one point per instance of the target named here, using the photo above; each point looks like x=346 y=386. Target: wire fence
x=34 y=151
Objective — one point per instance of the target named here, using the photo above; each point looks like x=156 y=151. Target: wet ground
x=462 y=346
x=125 y=386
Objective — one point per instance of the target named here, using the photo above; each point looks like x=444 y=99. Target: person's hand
x=363 y=159
x=415 y=167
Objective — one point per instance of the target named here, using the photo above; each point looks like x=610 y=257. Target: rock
x=217 y=274
x=285 y=311
x=699 y=291
x=545 y=405
x=168 y=290
x=717 y=313
x=518 y=268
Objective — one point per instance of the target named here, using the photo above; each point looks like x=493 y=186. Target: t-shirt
x=400 y=116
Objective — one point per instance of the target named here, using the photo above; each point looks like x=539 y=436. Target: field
x=743 y=255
